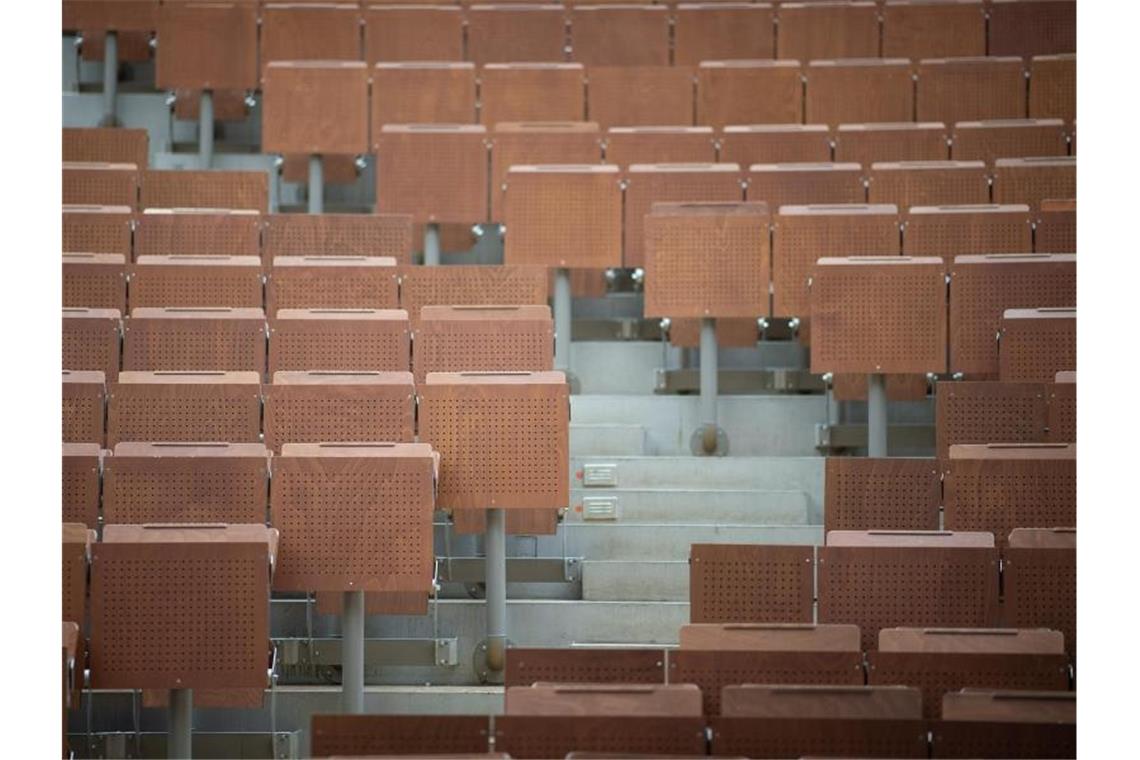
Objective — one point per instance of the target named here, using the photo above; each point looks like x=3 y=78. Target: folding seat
x=1032 y=27
x=181 y=407
x=950 y=231
x=1061 y=416
x=929 y=183
x=820 y=31
x=205 y=189
x=516 y=33
x=933 y=28
x=1039 y=571
x=563 y=216
x=724 y=580
x=600 y=733
x=1032 y=180
x=730 y=333
x=400 y=734
x=1009 y=138
x=623 y=96
x=1053 y=87
x=198 y=232
x=77 y=542
x=970 y=89
x=315 y=108
x=620 y=35
x=339 y=340
x=356 y=407
x=544 y=142
x=526 y=666
x=989 y=723
x=95 y=281
x=997 y=487
x=114 y=145
x=807 y=721
x=715 y=656
x=775 y=143
x=722 y=32
x=412 y=32
x=97 y=229
x=309 y=32
x=196 y=281
x=858 y=90
x=198 y=339
x=331 y=282
x=900 y=141
x=983 y=287
x=531 y=92
x=885 y=579
x=422 y=93
x=939 y=660
x=625 y=146
x=1055 y=230
x=792 y=184
x=433 y=172
x=648 y=700
x=82 y=466
x=229 y=105
x=192 y=482
x=385 y=235
x=207 y=46
x=470 y=286
x=101 y=184
x=133 y=21
x=863 y=493
x=709 y=183
x=83 y=396
x=1035 y=344
x=91 y=340
x=726 y=93
x=483 y=339
x=134 y=45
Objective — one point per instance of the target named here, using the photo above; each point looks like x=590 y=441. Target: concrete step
x=606 y=439
x=663 y=505
x=620 y=581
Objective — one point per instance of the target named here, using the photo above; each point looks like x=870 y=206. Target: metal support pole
x=352 y=653
x=876 y=415
x=562 y=319
x=496 y=580
x=110 y=78
x=708 y=375
x=316 y=185
x=181 y=714
x=431 y=245
x=206 y=129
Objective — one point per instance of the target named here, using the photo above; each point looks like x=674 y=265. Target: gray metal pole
x=352 y=653
x=562 y=319
x=876 y=415
x=206 y=130
x=496 y=579
x=708 y=371
x=110 y=78
x=431 y=245
x=316 y=185
x=180 y=730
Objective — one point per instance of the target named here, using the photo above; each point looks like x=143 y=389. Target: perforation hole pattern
x=971 y=92
x=359 y=735
x=930 y=187
x=185 y=414
x=858 y=95
x=74 y=574
x=528 y=666
x=339 y=235
x=647 y=188
x=194 y=345
x=563 y=220
x=866 y=147
x=1053 y=89
x=340 y=288
x=984 y=412
x=1000 y=495
x=101 y=286
x=1005 y=739
x=83 y=416
x=1062 y=415
x=1032 y=184
x=434 y=177
x=1035 y=350
x=1041 y=591
x=81 y=491
x=806 y=737
x=796 y=188
x=100 y=187
x=881 y=494
x=91 y=344
x=1056 y=232
x=953 y=235
x=197 y=285
x=988 y=144
x=97 y=233
x=340 y=346
x=361 y=417
x=206 y=189
x=750 y=584
x=557 y=736
x=472 y=286
x=128 y=146
x=199 y=490
x=497 y=345
x=198 y=234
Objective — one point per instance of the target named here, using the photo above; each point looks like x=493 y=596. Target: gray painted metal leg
x=562 y=319
x=709 y=438
x=110 y=78
x=876 y=415
x=496 y=577
x=206 y=130
x=431 y=245
x=352 y=653
x=180 y=730
x=316 y=185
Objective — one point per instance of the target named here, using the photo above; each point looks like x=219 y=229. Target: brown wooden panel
x=640 y=95
x=726 y=93
x=515 y=33
x=470 y=285
x=531 y=92
x=1009 y=138
x=736 y=333
x=332 y=282
x=100 y=184
x=196 y=281
x=1032 y=180
x=817 y=31
x=603 y=700
x=375 y=602
x=339 y=340
x=626 y=146
x=1032 y=27
x=817 y=737
x=82 y=465
x=881 y=494
x=546 y=142
x=435 y=173
x=346 y=735
x=110 y=145
x=1035 y=344
x=770 y=637
x=198 y=232
x=1061 y=418
x=134 y=47
x=91 y=340
x=526 y=666
x=526 y=736
x=620 y=35
x=934 y=28
x=900 y=141
x=185 y=407
x=82 y=401
x=97 y=229
x=76 y=556
x=745 y=583
x=315 y=108
x=929 y=183
x=858 y=90
x=834 y=702
x=323 y=32
x=997 y=739
x=775 y=144
x=970 y=89
x=853 y=387
x=950 y=231
x=229 y=105
x=95 y=281
x=197 y=339
x=483 y=339
x=1053 y=87
x=422 y=93
x=722 y=31
x=805 y=183
x=205 y=189
x=404 y=32
x=984 y=412
x=207 y=46
x=338 y=235
x=1056 y=228
x=1039 y=573
x=1025 y=707
x=520 y=522
x=116 y=15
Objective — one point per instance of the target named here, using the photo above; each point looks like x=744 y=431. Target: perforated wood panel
x=647 y=184
x=134 y=46
x=1032 y=180
x=1009 y=138
x=232 y=281
x=929 y=183
x=858 y=90
x=853 y=387
x=963 y=738
x=97 y=229
x=514 y=33
x=422 y=93
x=721 y=31
x=520 y=522
x=335 y=169
x=827 y=702
x=1056 y=227
x=983 y=412
x=82 y=463
x=773 y=144
x=805 y=183
x=91 y=340
x=376 y=602
x=818 y=737
x=503 y=438
x=770 y=637
x=878 y=314
x=120 y=15
x=970 y=89
x=640 y=95
x=1053 y=87
x=185 y=407
x=741 y=583
x=332 y=282
x=310 y=32
x=625 y=146
x=802 y=234
x=983 y=287
x=726 y=93
x=315 y=107
x=112 y=145
x=1032 y=27
x=229 y=105
x=83 y=397
x=470 y=285
x=707 y=260
x=939 y=29
x=101 y=184
x=950 y=231
x=483 y=338
x=548 y=142
x=1026 y=707
x=198 y=232
x=158 y=593
x=207 y=46
x=883 y=580
x=1036 y=344
x=510 y=92
x=316 y=407
x=882 y=494
x=339 y=235
x=213 y=189
x=618 y=35
x=578 y=700
x=77 y=540
x=527 y=666
x=999 y=487
x=557 y=736
x=195 y=339
x=404 y=32
x=435 y=173
x=563 y=216
x=1061 y=419
x=865 y=144
x=1039 y=574
x=341 y=735
x=815 y=31
x=337 y=340
x=94 y=280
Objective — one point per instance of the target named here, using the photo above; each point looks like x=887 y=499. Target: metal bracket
x=440 y=652
x=737 y=381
